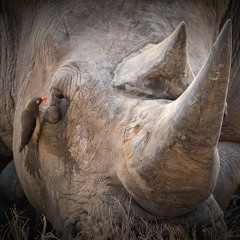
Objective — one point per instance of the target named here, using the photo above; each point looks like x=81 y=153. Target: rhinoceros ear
x=159 y=71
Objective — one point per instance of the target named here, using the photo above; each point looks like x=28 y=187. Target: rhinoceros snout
x=170 y=148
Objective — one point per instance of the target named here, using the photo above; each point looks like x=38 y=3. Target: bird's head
x=34 y=103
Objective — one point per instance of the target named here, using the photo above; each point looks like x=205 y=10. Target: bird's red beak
x=44 y=98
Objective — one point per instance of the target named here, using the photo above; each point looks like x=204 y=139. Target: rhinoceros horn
x=174 y=169
x=161 y=71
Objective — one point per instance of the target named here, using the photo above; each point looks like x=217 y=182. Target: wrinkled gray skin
x=119 y=122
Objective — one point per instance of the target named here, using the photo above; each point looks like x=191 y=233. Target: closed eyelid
x=65 y=80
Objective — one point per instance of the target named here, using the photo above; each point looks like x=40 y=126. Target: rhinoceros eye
x=59 y=96
x=57 y=107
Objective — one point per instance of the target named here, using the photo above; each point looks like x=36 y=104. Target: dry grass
x=18 y=228
x=98 y=227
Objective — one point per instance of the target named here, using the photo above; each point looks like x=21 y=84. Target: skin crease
x=70 y=54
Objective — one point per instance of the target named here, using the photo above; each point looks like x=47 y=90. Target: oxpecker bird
x=30 y=120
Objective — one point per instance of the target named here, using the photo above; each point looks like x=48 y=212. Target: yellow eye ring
x=38 y=101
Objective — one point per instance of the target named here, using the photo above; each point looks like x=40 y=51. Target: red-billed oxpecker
x=30 y=120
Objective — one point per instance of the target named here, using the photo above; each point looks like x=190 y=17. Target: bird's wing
x=28 y=125
x=32 y=162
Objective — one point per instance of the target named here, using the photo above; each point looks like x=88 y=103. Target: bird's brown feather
x=28 y=121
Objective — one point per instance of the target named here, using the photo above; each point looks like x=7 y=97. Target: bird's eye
x=38 y=101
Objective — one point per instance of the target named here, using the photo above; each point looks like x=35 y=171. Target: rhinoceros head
x=126 y=115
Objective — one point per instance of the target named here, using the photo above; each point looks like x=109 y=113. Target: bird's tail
x=31 y=161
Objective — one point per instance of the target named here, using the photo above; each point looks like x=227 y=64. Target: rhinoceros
x=138 y=117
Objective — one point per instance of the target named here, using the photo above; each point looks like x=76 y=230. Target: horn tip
x=225 y=36
x=227 y=27
x=182 y=24
x=181 y=27
x=180 y=33
x=228 y=22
